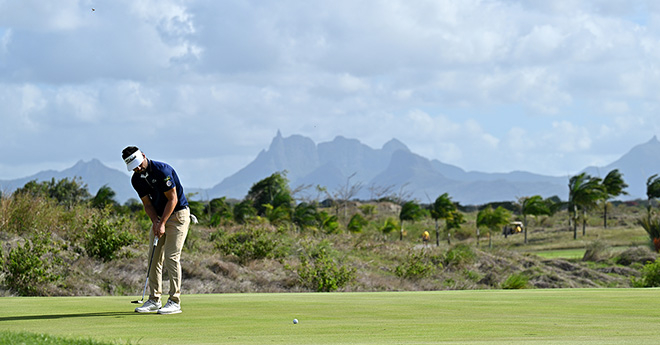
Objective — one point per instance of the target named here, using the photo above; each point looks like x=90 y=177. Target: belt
x=180 y=208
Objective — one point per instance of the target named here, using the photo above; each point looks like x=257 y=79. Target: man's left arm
x=172 y=200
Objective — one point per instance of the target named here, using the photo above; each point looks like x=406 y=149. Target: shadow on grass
x=65 y=316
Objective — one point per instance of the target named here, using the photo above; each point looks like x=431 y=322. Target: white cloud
x=567 y=137
x=486 y=85
x=615 y=107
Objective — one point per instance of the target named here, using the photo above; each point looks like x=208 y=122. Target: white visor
x=134 y=160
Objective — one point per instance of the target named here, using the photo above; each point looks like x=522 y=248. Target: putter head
x=137 y=302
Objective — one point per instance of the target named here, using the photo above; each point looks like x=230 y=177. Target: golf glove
x=193 y=219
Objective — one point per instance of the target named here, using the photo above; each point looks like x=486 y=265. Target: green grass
x=561 y=316
x=24 y=338
x=575 y=253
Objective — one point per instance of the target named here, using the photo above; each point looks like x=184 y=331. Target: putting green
x=562 y=316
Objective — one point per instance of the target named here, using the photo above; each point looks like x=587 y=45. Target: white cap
x=134 y=160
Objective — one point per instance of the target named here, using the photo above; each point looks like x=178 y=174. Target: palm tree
x=305 y=215
x=492 y=220
x=613 y=186
x=441 y=209
x=652 y=190
x=652 y=227
x=410 y=211
x=454 y=221
x=535 y=206
x=583 y=193
x=104 y=197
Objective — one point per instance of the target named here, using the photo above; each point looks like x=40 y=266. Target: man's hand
x=158 y=229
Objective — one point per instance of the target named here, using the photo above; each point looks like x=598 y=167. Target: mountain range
x=346 y=162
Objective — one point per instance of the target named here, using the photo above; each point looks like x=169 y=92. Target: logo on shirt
x=168 y=181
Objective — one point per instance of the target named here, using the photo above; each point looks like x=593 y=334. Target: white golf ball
x=295 y=321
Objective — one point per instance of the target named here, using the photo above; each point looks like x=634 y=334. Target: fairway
x=568 y=316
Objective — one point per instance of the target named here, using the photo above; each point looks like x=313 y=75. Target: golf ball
x=295 y=321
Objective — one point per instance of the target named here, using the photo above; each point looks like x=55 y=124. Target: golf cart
x=512 y=229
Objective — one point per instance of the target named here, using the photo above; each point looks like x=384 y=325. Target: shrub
x=415 y=267
x=32 y=265
x=516 y=281
x=24 y=214
x=356 y=223
x=390 y=225
x=652 y=227
x=105 y=238
x=596 y=251
x=328 y=223
x=323 y=274
x=650 y=275
x=459 y=255
x=65 y=192
x=248 y=245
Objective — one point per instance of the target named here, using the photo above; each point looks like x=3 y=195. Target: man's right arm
x=149 y=209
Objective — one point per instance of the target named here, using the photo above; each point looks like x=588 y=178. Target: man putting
x=161 y=192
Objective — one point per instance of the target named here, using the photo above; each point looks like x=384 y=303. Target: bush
x=32 y=265
x=356 y=223
x=65 y=192
x=105 y=238
x=24 y=214
x=415 y=267
x=248 y=245
x=460 y=255
x=323 y=274
x=650 y=275
x=596 y=251
x=652 y=227
x=516 y=281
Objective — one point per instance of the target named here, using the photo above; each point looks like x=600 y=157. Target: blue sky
x=549 y=87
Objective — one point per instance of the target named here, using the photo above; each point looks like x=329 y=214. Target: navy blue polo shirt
x=158 y=179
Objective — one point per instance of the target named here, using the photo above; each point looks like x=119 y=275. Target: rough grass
x=550 y=259
x=15 y=338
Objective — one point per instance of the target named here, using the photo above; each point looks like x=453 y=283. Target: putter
x=153 y=249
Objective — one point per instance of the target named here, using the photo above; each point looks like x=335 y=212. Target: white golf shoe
x=148 y=307
x=170 y=308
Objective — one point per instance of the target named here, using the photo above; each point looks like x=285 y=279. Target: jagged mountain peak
x=331 y=164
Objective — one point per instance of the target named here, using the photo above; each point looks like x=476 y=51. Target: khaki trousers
x=168 y=252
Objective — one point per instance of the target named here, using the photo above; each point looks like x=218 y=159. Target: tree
x=327 y=223
x=441 y=209
x=389 y=225
x=356 y=223
x=410 y=211
x=219 y=211
x=305 y=215
x=343 y=195
x=454 y=221
x=66 y=192
x=273 y=190
x=652 y=227
x=243 y=211
x=652 y=190
x=535 y=206
x=613 y=186
x=493 y=220
x=104 y=197
x=584 y=193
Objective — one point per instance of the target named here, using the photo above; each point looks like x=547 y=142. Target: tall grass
x=15 y=338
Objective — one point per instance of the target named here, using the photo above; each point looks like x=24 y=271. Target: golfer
x=162 y=195
x=426 y=237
